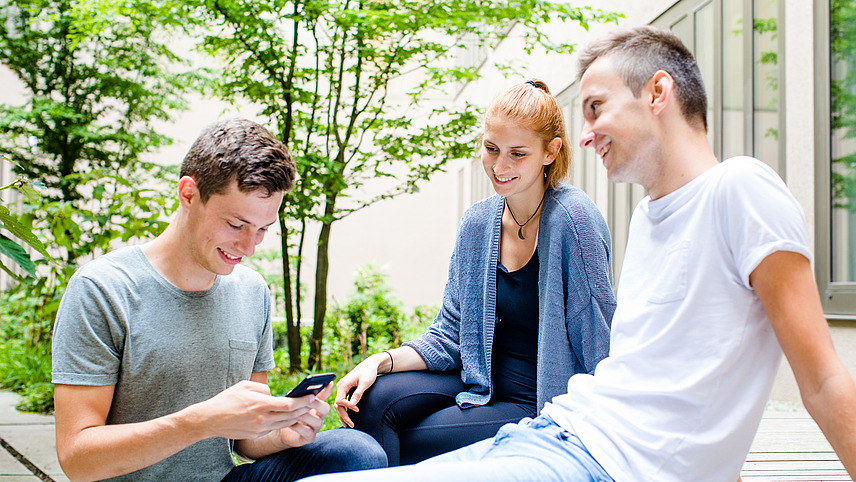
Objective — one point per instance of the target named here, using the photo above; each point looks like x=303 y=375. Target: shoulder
x=245 y=279
x=745 y=172
x=574 y=206
x=742 y=180
x=570 y=197
x=127 y=262
x=482 y=213
x=484 y=209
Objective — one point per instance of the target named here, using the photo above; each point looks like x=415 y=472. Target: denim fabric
x=341 y=450
x=532 y=451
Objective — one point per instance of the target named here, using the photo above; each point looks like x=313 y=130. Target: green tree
x=322 y=70
x=96 y=76
x=95 y=82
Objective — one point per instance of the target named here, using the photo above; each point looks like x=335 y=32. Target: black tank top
x=515 y=343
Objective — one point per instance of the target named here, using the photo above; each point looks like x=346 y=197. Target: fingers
x=357 y=394
x=325 y=393
x=342 y=412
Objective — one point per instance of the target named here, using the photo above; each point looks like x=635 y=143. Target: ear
x=553 y=150
x=187 y=191
x=660 y=89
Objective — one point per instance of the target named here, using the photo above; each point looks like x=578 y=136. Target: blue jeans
x=340 y=450
x=533 y=450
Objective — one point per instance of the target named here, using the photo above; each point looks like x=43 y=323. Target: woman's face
x=514 y=158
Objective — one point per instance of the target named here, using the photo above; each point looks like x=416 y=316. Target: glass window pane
x=732 y=78
x=843 y=143
x=683 y=28
x=704 y=54
x=766 y=82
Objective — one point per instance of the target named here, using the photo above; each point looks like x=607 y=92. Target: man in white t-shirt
x=716 y=283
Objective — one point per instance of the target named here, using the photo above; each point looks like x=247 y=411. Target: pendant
x=520 y=232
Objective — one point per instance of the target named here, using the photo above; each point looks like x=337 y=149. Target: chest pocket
x=671 y=284
x=242 y=357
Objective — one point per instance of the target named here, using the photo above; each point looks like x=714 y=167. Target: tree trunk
x=292 y=325
x=322 y=268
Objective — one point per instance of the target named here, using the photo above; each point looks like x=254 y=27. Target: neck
x=524 y=205
x=171 y=257
x=686 y=155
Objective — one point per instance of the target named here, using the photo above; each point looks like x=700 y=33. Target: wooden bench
x=790 y=447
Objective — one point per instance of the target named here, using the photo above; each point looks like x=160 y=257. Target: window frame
x=838 y=298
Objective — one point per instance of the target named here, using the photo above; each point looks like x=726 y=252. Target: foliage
x=95 y=78
x=351 y=87
x=19 y=228
x=95 y=82
x=26 y=369
x=371 y=320
x=843 y=100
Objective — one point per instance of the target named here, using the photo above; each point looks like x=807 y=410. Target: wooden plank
x=790 y=447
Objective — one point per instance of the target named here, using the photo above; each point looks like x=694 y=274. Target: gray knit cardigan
x=575 y=298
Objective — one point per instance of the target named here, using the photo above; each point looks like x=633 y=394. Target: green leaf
x=18 y=254
x=20 y=231
x=31 y=194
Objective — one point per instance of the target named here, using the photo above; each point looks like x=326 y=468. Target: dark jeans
x=413 y=415
x=340 y=450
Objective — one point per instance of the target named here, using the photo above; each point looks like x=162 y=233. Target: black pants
x=413 y=415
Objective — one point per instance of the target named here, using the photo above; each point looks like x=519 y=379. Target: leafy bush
x=370 y=320
x=26 y=369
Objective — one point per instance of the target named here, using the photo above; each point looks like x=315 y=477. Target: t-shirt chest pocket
x=671 y=283
x=242 y=357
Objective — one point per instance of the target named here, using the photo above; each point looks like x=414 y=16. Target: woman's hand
x=359 y=379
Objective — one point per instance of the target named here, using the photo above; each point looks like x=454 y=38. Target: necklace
x=520 y=226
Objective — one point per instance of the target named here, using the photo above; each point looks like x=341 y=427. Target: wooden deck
x=790 y=447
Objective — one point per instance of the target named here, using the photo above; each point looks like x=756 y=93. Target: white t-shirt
x=693 y=355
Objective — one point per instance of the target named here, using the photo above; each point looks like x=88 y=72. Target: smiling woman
x=502 y=344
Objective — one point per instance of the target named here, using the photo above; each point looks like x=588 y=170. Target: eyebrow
x=485 y=141
x=239 y=218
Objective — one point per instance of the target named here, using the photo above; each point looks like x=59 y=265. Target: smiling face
x=618 y=126
x=514 y=158
x=228 y=227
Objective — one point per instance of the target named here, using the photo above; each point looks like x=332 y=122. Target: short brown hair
x=240 y=150
x=532 y=105
x=640 y=52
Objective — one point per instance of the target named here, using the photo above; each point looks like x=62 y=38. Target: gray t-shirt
x=121 y=323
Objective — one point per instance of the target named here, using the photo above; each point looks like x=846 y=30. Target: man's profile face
x=229 y=226
x=618 y=126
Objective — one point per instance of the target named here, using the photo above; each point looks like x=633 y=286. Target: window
x=836 y=159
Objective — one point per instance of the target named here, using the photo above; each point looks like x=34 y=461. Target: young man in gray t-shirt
x=161 y=352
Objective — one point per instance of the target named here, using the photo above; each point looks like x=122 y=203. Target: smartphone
x=312 y=384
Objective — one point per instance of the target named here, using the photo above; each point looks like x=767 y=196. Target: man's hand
x=247 y=410
x=307 y=426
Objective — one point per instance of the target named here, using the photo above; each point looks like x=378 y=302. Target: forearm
x=831 y=405
x=402 y=359
x=104 y=451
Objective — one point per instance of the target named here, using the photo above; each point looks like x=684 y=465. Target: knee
x=348 y=450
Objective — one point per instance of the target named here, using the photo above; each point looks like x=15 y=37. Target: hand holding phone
x=312 y=384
